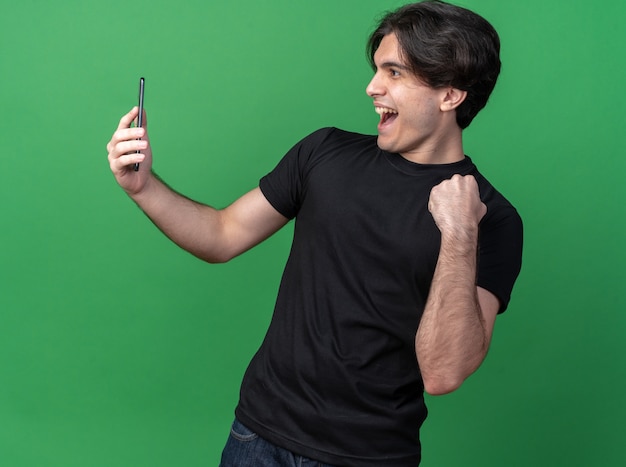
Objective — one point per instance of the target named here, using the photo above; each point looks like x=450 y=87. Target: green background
x=119 y=349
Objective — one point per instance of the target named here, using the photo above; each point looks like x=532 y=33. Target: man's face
x=411 y=120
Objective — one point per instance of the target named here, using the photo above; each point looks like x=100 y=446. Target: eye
x=394 y=73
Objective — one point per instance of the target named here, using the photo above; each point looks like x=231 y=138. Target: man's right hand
x=123 y=154
x=213 y=235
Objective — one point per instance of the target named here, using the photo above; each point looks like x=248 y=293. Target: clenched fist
x=456 y=206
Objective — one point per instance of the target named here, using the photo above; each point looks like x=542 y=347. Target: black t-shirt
x=336 y=378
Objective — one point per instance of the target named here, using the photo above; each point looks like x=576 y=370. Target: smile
x=386 y=114
x=385 y=110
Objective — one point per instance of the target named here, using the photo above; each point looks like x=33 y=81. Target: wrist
x=143 y=192
x=460 y=240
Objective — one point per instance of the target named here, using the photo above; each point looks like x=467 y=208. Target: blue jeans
x=245 y=448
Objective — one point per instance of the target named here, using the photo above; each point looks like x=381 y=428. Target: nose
x=374 y=88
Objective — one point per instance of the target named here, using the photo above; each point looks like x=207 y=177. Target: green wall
x=119 y=349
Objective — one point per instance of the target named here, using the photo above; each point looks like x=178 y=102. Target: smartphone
x=142 y=82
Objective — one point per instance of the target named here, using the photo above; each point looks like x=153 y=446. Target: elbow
x=441 y=377
x=439 y=386
x=218 y=253
x=221 y=252
x=214 y=257
x=438 y=383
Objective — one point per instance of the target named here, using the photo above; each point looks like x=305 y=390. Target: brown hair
x=445 y=45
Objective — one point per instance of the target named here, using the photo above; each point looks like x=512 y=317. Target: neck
x=446 y=148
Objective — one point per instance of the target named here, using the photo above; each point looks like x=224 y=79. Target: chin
x=384 y=145
x=388 y=146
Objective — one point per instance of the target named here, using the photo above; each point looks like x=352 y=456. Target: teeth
x=385 y=110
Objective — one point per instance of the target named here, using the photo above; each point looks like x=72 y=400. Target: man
x=403 y=254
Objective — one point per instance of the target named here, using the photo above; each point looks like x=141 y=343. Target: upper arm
x=248 y=221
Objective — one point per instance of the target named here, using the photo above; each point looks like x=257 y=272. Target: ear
x=452 y=99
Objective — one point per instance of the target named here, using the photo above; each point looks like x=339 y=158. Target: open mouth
x=387 y=115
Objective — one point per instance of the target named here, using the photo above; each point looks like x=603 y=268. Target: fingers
x=127 y=143
x=125 y=140
x=456 y=201
x=124 y=134
x=127 y=146
x=457 y=186
x=460 y=181
x=125 y=161
x=127 y=134
x=120 y=159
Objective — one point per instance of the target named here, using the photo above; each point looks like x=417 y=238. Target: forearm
x=452 y=339
x=193 y=226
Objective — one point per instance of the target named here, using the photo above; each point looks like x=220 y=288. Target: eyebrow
x=394 y=65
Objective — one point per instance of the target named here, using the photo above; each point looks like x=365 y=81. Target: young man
x=403 y=254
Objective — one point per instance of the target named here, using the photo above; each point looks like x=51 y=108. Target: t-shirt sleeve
x=500 y=253
x=283 y=186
